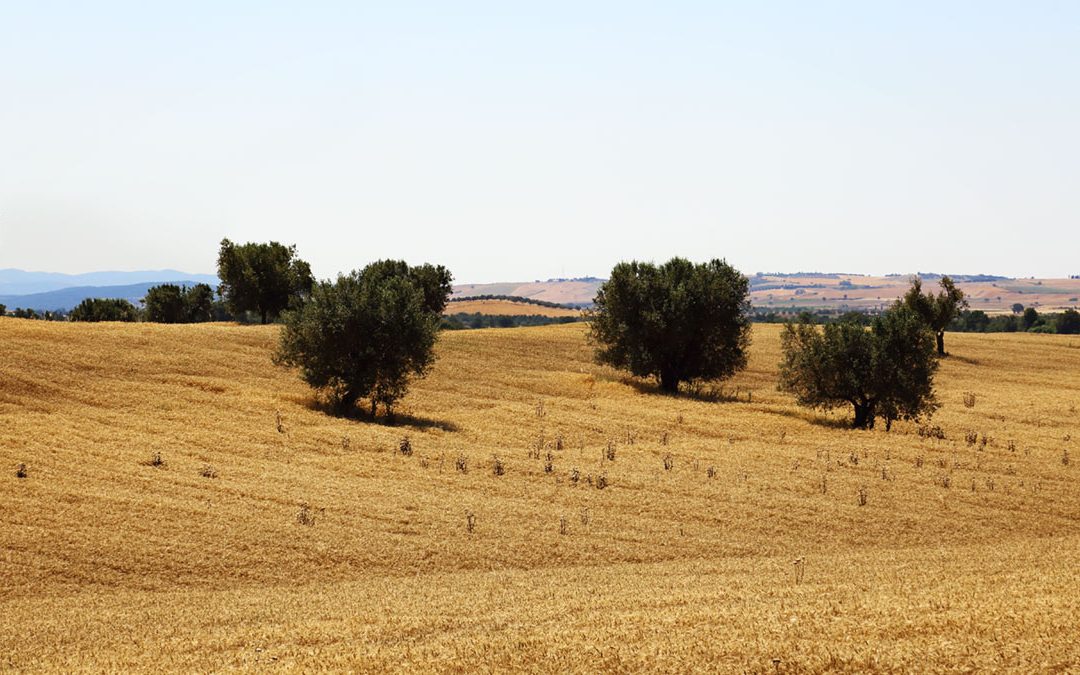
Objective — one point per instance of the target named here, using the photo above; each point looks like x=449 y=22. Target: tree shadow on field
x=963 y=359
x=817 y=419
x=691 y=392
x=399 y=419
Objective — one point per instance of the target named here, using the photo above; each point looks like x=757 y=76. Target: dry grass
x=765 y=540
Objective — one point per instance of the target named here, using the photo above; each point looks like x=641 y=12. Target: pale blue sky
x=516 y=141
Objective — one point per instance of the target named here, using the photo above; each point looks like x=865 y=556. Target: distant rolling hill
x=67 y=298
x=860 y=292
x=507 y=308
x=578 y=292
x=778 y=291
x=21 y=282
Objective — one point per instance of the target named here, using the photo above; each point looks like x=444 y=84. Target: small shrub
x=601 y=481
x=710 y=472
x=824 y=484
x=664 y=438
x=21 y=472
x=345 y=442
x=562 y=525
x=575 y=475
x=559 y=442
x=497 y=467
x=306 y=515
x=971 y=437
x=609 y=451
x=156 y=461
x=585 y=515
x=669 y=462
x=918 y=462
x=470 y=522
x=862 y=495
x=1065 y=457
x=208 y=471
x=969 y=399
x=280 y=425
x=549 y=463
x=946 y=480
x=928 y=431
x=461 y=464
x=405 y=447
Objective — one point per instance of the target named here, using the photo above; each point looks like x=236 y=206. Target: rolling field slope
x=507 y=308
x=187 y=506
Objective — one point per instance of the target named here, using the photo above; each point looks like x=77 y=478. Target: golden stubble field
x=777 y=541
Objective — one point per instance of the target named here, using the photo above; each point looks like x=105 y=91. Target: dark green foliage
x=1065 y=323
x=169 y=303
x=104 y=309
x=200 y=303
x=1017 y=308
x=975 y=321
x=937 y=311
x=1030 y=318
x=1068 y=323
x=678 y=322
x=366 y=334
x=265 y=279
x=3 y=310
x=464 y=320
x=886 y=371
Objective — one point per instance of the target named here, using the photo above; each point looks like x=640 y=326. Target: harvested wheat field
x=187 y=506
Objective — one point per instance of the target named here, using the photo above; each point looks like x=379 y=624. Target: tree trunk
x=346 y=402
x=374 y=408
x=941 y=343
x=864 y=416
x=262 y=312
x=669 y=382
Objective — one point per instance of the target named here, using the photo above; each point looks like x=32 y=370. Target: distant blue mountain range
x=67 y=298
x=48 y=291
x=19 y=282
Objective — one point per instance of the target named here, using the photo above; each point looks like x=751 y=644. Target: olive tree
x=677 y=322
x=886 y=371
x=262 y=278
x=104 y=309
x=169 y=303
x=937 y=311
x=366 y=334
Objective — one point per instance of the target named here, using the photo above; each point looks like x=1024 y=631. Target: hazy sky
x=513 y=141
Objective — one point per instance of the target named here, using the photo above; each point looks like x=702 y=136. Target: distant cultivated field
x=835 y=291
x=317 y=544
x=507 y=308
x=863 y=292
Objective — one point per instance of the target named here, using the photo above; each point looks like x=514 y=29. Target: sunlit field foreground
x=188 y=506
